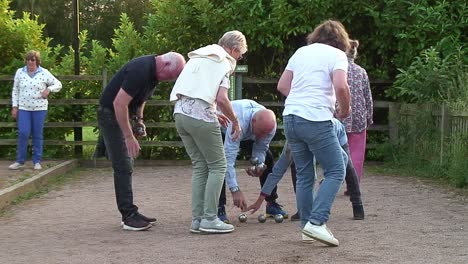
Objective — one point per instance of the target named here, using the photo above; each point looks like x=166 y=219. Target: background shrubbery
x=420 y=45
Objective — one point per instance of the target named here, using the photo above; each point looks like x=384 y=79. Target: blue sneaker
x=274 y=208
x=222 y=215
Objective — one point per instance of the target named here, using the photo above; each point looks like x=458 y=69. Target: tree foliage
x=98 y=17
x=421 y=44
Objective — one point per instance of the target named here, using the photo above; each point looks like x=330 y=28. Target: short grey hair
x=174 y=58
x=234 y=40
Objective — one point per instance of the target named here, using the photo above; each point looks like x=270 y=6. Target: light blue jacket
x=245 y=110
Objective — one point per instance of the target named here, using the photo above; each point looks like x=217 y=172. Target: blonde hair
x=330 y=32
x=352 y=52
x=33 y=54
x=234 y=40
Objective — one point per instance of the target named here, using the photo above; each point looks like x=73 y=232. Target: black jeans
x=352 y=183
x=122 y=164
x=269 y=161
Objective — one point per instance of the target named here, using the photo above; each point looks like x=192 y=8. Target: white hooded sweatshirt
x=203 y=73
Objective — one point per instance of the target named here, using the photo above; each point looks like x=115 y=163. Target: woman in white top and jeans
x=313 y=81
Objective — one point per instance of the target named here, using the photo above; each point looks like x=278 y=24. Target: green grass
x=21 y=178
x=422 y=174
x=88 y=135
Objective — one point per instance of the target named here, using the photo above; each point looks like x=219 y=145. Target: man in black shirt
x=125 y=97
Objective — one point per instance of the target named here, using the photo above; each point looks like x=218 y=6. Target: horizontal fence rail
x=391 y=127
x=148 y=124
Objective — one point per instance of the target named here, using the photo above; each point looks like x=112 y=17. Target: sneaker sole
x=18 y=168
x=152 y=223
x=130 y=228
x=307 y=240
x=216 y=231
x=319 y=239
x=195 y=231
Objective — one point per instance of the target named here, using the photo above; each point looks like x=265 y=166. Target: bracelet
x=234 y=189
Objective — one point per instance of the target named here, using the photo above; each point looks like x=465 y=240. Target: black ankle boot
x=358 y=212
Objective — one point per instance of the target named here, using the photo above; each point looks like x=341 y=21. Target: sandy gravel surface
x=407 y=221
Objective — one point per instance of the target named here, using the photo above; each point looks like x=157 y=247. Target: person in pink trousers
x=361 y=109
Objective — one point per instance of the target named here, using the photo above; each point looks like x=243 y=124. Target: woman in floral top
x=361 y=109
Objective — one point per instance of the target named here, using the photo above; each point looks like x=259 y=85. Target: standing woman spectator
x=201 y=88
x=31 y=88
x=313 y=81
x=361 y=110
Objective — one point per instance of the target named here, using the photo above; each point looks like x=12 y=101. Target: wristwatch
x=234 y=189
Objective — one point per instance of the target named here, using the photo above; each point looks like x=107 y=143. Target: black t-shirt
x=137 y=78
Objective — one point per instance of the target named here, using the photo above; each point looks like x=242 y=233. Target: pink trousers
x=357 y=147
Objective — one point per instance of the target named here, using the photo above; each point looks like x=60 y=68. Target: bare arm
x=121 y=102
x=140 y=110
x=340 y=83
x=224 y=104
x=284 y=83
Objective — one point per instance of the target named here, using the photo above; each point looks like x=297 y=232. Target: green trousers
x=204 y=145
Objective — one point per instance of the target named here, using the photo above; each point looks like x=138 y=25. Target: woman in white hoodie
x=201 y=88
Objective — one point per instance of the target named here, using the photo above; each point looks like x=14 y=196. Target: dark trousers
x=351 y=179
x=122 y=164
x=269 y=161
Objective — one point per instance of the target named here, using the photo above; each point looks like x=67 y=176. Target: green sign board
x=242 y=68
x=235 y=91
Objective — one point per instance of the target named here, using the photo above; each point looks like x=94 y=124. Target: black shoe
x=135 y=223
x=295 y=217
x=358 y=212
x=150 y=220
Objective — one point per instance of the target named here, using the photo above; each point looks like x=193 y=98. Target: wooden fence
x=450 y=121
x=78 y=125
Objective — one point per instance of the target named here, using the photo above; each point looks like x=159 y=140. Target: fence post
x=104 y=78
x=444 y=129
x=393 y=118
x=77 y=116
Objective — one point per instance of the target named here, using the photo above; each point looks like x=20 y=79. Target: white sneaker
x=16 y=166
x=215 y=226
x=320 y=233
x=195 y=226
x=37 y=166
x=306 y=239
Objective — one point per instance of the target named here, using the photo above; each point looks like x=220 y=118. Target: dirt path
x=406 y=222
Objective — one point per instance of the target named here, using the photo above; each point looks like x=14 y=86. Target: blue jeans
x=309 y=139
x=122 y=164
x=30 y=122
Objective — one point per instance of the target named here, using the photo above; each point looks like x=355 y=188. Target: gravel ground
x=407 y=221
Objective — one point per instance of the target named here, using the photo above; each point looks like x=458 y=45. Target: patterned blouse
x=26 y=94
x=361 y=99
